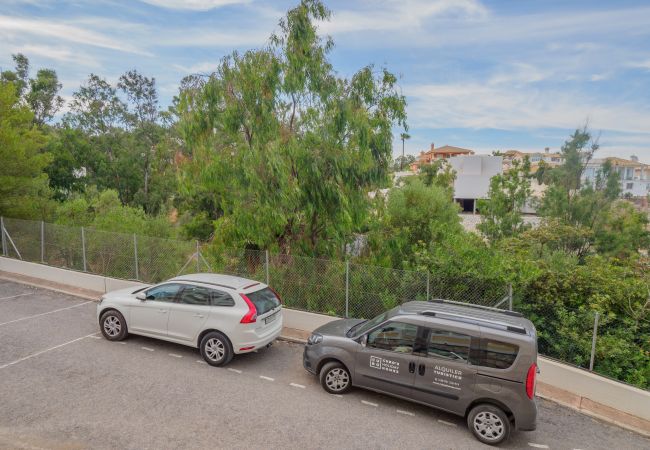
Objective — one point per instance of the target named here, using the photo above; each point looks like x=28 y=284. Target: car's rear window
x=264 y=300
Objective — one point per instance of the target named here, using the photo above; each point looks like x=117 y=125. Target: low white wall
x=580 y=382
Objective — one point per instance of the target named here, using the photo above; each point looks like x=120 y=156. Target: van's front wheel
x=335 y=378
x=489 y=424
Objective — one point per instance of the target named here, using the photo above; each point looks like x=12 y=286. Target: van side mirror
x=141 y=296
x=364 y=340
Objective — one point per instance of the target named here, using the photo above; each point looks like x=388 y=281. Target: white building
x=634 y=175
x=473 y=174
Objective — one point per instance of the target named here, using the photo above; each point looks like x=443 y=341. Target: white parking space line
x=532 y=444
x=297 y=385
x=337 y=395
x=267 y=378
x=369 y=403
x=122 y=343
x=444 y=422
x=45 y=313
x=45 y=351
x=95 y=337
x=147 y=349
x=200 y=361
x=234 y=370
x=14 y=296
x=406 y=413
x=175 y=355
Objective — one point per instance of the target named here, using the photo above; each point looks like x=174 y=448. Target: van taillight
x=251 y=315
x=530 y=381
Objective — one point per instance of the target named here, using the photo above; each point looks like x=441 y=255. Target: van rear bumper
x=526 y=417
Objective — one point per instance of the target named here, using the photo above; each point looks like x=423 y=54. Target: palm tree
x=404 y=137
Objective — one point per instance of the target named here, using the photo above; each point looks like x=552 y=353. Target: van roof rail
x=486 y=308
x=475 y=321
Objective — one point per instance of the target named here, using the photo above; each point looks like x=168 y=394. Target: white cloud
x=202 y=67
x=475 y=106
x=58 y=53
x=641 y=65
x=194 y=5
x=201 y=37
x=518 y=73
x=16 y=27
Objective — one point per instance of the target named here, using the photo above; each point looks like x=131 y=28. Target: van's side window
x=394 y=336
x=449 y=345
x=496 y=354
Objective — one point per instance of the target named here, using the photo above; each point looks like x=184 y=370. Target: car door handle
x=411 y=367
x=421 y=369
x=198 y=315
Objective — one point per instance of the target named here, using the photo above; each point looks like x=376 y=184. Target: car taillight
x=276 y=294
x=251 y=315
x=530 y=381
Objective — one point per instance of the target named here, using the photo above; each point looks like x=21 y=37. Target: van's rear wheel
x=335 y=378
x=489 y=424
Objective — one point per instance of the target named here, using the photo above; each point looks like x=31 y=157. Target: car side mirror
x=364 y=340
x=141 y=296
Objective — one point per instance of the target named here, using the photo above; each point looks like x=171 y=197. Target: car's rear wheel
x=489 y=423
x=113 y=325
x=216 y=349
x=335 y=378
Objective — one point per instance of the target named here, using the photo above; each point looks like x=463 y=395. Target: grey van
x=477 y=362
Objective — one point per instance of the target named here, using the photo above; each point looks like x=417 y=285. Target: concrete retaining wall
x=599 y=396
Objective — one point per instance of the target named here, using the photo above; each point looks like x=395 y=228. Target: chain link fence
x=583 y=337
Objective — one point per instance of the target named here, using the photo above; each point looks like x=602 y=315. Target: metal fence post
x=2 y=231
x=510 y=296
x=198 y=256
x=428 y=284
x=135 y=256
x=593 y=343
x=42 y=242
x=266 y=265
x=83 y=246
x=347 y=289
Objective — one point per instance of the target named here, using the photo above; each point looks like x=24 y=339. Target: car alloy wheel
x=489 y=426
x=215 y=350
x=112 y=326
x=337 y=379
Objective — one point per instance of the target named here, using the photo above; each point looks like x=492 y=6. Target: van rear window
x=264 y=300
x=497 y=354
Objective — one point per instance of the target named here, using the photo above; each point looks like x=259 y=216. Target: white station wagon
x=222 y=315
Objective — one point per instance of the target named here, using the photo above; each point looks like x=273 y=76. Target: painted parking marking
x=175 y=355
x=337 y=395
x=444 y=422
x=406 y=413
x=122 y=343
x=532 y=444
x=234 y=370
x=95 y=337
x=200 y=361
x=147 y=349
x=45 y=351
x=45 y=313
x=267 y=378
x=369 y=403
x=296 y=385
x=14 y=296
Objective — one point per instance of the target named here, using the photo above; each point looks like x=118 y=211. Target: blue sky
x=483 y=75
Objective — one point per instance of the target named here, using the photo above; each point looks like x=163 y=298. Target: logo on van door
x=444 y=376
x=386 y=365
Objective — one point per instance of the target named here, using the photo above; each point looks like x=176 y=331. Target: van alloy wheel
x=489 y=426
x=337 y=379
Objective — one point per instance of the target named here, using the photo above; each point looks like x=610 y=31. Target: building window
x=629 y=186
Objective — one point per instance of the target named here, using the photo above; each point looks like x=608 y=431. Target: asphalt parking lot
x=63 y=386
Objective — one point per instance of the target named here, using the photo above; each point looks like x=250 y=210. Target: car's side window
x=448 y=345
x=220 y=298
x=196 y=295
x=396 y=337
x=163 y=293
x=497 y=354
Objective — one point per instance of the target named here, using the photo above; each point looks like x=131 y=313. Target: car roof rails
x=487 y=323
x=486 y=308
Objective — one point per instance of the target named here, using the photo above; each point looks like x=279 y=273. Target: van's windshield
x=368 y=325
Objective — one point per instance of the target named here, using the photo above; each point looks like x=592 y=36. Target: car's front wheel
x=113 y=325
x=216 y=349
x=335 y=378
x=489 y=423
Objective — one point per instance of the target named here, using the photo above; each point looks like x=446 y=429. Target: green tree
x=43 y=96
x=24 y=190
x=438 y=173
x=508 y=194
x=287 y=149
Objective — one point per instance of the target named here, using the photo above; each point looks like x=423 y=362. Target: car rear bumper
x=251 y=340
x=526 y=418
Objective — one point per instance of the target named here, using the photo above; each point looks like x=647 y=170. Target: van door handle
x=421 y=369
x=411 y=367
